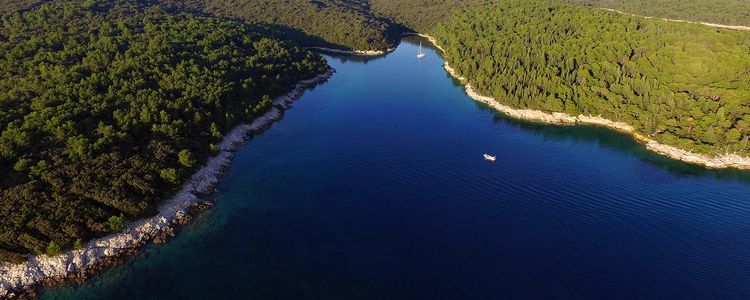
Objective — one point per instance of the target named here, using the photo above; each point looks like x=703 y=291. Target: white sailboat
x=489 y=157
x=420 y=54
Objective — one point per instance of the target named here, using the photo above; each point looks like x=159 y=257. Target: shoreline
x=20 y=280
x=557 y=118
x=353 y=52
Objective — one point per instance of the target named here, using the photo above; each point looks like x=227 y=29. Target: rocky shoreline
x=353 y=52
x=728 y=160
x=21 y=280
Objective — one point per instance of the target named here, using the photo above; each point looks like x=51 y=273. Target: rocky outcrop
x=353 y=52
x=728 y=160
x=100 y=253
x=722 y=161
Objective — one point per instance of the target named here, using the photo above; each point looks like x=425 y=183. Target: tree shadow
x=618 y=141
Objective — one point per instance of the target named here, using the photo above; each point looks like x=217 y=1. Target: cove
x=373 y=186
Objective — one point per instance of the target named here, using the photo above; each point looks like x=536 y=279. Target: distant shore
x=728 y=160
x=18 y=280
x=353 y=52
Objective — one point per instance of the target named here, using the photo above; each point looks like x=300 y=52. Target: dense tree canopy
x=683 y=84
x=732 y=12
x=375 y=24
x=106 y=106
x=102 y=119
x=423 y=15
x=343 y=24
x=11 y=6
x=347 y=24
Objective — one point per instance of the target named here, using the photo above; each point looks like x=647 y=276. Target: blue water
x=373 y=187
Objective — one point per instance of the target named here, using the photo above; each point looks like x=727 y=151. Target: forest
x=101 y=117
x=106 y=106
x=344 y=24
x=9 y=7
x=730 y=12
x=340 y=24
x=682 y=84
x=423 y=15
x=377 y=24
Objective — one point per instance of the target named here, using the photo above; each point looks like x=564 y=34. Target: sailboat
x=489 y=157
x=420 y=54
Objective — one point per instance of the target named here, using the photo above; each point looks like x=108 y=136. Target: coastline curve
x=353 y=52
x=728 y=160
x=18 y=280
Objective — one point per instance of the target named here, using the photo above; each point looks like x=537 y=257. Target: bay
x=373 y=186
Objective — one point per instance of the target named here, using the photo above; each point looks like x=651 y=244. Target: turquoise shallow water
x=373 y=186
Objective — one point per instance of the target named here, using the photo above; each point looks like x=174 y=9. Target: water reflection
x=603 y=137
x=613 y=140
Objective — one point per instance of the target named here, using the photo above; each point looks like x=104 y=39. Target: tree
x=186 y=158
x=116 y=223
x=53 y=249
x=79 y=244
x=170 y=175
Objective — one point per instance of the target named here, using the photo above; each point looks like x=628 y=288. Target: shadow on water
x=604 y=137
x=352 y=58
x=609 y=139
x=411 y=40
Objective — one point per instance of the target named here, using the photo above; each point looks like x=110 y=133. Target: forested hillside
x=102 y=119
x=342 y=24
x=375 y=24
x=331 y=23
x=683 y=84
x=423 y=15
x=731 y=12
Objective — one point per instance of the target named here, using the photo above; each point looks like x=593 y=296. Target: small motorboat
x=489 y=157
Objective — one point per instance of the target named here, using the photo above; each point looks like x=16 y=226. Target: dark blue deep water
x=373 y=187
